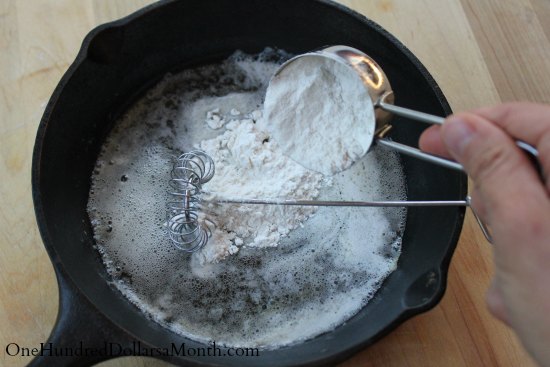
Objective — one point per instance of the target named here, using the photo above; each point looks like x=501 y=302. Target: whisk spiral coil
x=187 y=230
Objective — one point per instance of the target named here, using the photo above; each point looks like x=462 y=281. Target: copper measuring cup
x=382 y=97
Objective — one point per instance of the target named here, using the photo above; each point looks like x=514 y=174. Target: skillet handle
x=81 y=336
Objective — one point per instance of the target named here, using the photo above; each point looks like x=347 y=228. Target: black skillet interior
x=123 y=57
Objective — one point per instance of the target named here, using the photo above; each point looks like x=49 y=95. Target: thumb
x=498 y=168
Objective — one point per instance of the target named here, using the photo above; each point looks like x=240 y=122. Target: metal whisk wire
x=187 y=230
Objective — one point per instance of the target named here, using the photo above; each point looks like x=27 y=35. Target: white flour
x=243 y=155
x=320 y=113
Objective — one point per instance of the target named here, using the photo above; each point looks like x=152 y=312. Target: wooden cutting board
x=480 y=53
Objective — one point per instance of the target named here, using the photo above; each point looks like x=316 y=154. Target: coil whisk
x=187 y=229
x=190 y=230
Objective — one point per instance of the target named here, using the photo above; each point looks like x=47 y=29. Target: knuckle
x=492 y=161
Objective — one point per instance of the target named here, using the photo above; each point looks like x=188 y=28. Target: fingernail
x=456 y=135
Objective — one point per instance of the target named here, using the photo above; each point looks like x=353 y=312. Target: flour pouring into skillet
x=269 y=277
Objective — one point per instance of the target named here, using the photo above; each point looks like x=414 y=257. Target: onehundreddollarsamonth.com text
x=110 y=349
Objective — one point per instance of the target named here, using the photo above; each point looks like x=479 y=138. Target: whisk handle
x=397 y=203
x=292 y=202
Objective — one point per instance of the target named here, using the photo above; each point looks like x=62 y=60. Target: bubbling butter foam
x=319 y=275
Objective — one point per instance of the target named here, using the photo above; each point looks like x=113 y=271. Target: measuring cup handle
x=405 y=149
x=411 y=114
x=417 y=153
x=529 y=150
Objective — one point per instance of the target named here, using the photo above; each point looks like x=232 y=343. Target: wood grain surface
x=480 y=52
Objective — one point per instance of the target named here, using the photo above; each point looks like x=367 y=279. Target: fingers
x=525 y=121
x=495 y=303
x=504 y=178
x=529 y=122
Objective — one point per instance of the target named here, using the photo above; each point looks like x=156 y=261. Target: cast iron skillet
x=119 y=59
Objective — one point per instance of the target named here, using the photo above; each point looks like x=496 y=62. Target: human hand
x=510 y=197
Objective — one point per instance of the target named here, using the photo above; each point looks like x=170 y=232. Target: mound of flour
x=249 y=165
x=320 y=113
